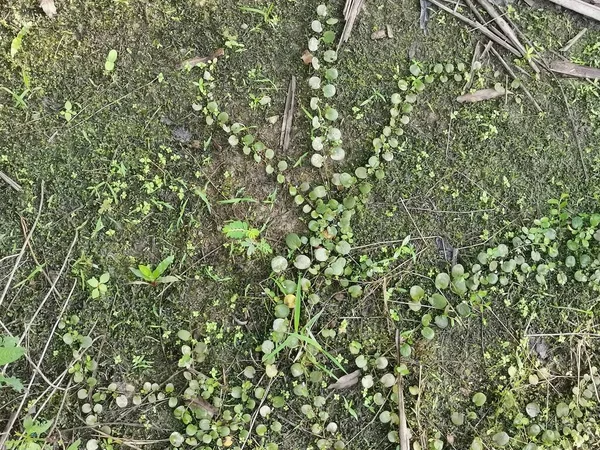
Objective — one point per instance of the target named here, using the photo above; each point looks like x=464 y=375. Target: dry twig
x=288 y=116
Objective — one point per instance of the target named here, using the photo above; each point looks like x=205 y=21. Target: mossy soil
x=122 y=177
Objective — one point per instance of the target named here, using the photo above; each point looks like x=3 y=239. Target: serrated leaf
x=236 y=229
x=17 y=42
x=9 y=350
x=11 y=382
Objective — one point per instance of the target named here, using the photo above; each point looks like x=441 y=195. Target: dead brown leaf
x=198 y=402
x=346 y=381
x=574 y=70
x=48 y=7
x=307 y=57
x=202 y=59
x=481 y=95
x=379 y=34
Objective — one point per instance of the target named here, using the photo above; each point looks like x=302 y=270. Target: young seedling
x=111 y=58
x=154 y=277
x=98 y=286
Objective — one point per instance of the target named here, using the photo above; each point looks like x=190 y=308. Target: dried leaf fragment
x=307 y=57
x=202 y=59
x=481 y=95
x=379 y=34
x=48 y=7
x=346 y=381
x=198 y=402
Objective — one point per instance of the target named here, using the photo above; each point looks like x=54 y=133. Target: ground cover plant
x=406 y=269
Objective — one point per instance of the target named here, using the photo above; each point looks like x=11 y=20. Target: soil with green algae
x=125 y=175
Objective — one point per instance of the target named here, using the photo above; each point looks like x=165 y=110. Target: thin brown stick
x=12 y=183
x=482 y=20
x=512 y=74
x=508 y=31
x=288 y=116
x=11 y=422
x=52 y=288
x=479 y=27
x=573 y=40
x=22 y=252
x=575 y=133
x=591 y=11
x=403 y=432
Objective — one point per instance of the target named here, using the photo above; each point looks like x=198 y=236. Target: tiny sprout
x=388 y=380
x=302 y=262
x=501 y=439
x=330 y=56
x=317 y=160
x=381 y=362
x=385 y=417
x=314 y=82
x=329 y=90
x=457 y=418
x=184 y=335
x=367 y=381
x=271 y=370
x=337 y=153
x=316 y=26
x=479 y=399
x=111 y=58
x=415 y=70
x=279 y=264
x=331 y=114
x=332 y=427
x=360 y=361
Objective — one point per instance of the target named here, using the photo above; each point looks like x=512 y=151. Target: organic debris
x=351 y=10
x=481 y=95
x=574 y=70
x=288 y=115
x=586 y=9
x=48 y=7
x=192 y=62
x=346 y=381
x=379 y=34
x=13 y=184
x=307 y=57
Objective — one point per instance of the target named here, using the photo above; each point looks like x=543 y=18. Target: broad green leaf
x=136 y=272
x=93 y=282
x=146 y=272
x=416 y=293
x=168 y=279
x=442 y=280
x=428 y=333
x=438 y=301
x=104 y=278
x=162 y=266
x=479 y=399
x=75 y=445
